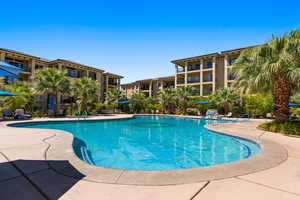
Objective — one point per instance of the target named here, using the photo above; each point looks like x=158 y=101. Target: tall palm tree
x=273 y=67
x=167 y=100
x=183 y=95
x=50 y=81
x=85 y=92
x=225 y=97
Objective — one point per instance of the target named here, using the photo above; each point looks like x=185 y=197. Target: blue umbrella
x=124 y=102
x=202 y=103
x=292 y=104
x=4 y=93
x=9 y=70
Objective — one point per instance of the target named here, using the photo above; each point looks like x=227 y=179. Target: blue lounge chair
x=6 y=113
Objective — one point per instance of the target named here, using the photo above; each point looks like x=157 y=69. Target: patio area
x=25 y=173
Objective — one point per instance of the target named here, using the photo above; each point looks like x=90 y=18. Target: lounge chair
x=212 y=114
x=229 y=114
x=245 y=116
x=6 y=113
x=20 y=114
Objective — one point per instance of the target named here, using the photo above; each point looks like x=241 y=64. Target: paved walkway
x=24 y=174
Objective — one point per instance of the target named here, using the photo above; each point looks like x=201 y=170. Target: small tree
x=138 y=101
x=168 y=101
x=23 y=100
x=112 y=97
x=225 y=97
x=183 y=95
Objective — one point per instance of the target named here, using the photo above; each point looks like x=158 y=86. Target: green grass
x=287 y=128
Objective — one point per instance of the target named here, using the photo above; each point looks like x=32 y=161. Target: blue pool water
x=151 y=143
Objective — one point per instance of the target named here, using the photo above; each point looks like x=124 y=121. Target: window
x=37 y=67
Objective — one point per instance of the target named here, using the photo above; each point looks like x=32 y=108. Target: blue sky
x=139 y=38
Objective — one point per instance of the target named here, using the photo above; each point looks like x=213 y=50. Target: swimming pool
x=151 y=143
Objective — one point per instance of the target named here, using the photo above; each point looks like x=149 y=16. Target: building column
x=176 y=70
x=32 y=65
x=106 y=81
x=59 y=66
x=59 y=95
x=214 y=74
x=185 y=73
x=2 y=56
x=201 y=77
x=150 y=89
x=100 y=89
x=226 y=71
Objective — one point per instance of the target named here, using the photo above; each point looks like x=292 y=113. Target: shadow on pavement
x=35 y=179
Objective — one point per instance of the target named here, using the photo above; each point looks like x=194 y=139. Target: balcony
x=208 y=65
x=193 y=67
x=195 y=79
x=145 y=88
x=74 y=74
x=208 y=78
x=180 y=70
x=112 y=83
x=92 y=76
x=180 y=81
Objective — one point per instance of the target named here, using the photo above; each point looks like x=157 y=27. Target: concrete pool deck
x=24 y=173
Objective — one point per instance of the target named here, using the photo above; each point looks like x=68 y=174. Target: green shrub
x=288 y=128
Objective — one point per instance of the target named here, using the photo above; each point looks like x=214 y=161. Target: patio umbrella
x=292 y=104
x=9 y=70
x=202 y=103
x=4 y=93
x=124 y=102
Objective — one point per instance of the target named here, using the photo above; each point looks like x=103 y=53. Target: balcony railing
x=74 y=74
x=193 y=68
x=112 y=83
x=197 y=80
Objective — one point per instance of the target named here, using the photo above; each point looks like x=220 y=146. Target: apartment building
x=29 y=64
x=149 y=87
x=206 y=73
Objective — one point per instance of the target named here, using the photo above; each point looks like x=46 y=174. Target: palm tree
x=23 y=100
x=273 y=67
x=183 y=96
x=85 y=92
x=225 y=97
x=113 y=96
x=50 y=81
x=138 y=102
x=167 y=100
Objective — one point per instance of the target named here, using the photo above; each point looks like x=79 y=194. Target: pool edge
x=271 y=155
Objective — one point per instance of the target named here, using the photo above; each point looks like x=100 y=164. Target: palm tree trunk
x=56 y=104
x=281 y=95
x=226 y=108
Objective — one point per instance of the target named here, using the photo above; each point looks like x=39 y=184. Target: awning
x=5 y=93
x=8 y=69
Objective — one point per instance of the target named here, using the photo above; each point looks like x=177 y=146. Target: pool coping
x=270 y=155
